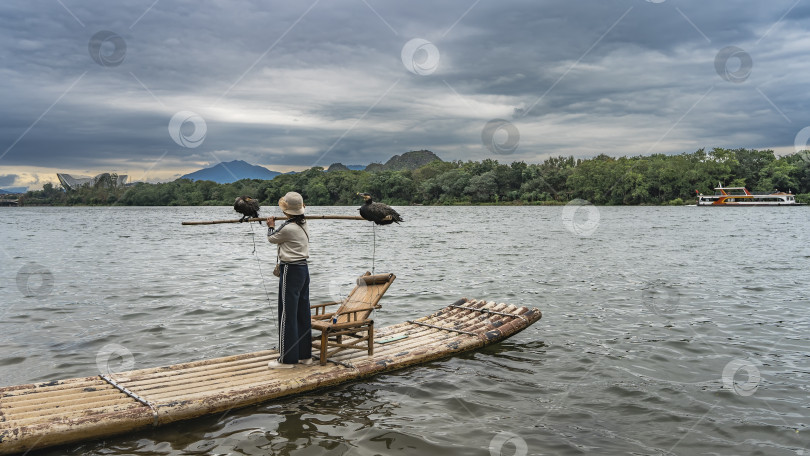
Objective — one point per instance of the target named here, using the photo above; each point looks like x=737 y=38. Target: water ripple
x=642 y=322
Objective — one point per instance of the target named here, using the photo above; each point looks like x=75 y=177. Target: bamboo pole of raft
x=282 y=217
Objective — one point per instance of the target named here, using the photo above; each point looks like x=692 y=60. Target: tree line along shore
x=602 y=180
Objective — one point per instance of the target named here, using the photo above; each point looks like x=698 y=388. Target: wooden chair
x=349 y=327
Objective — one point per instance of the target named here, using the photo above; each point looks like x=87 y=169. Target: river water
x=666 y=330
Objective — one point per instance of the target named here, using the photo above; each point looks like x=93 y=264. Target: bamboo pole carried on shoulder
x=281 y=217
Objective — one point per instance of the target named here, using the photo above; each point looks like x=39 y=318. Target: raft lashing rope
x=138 y=398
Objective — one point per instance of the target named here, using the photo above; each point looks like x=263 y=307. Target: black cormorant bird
x=246 y=206
x=379 y=213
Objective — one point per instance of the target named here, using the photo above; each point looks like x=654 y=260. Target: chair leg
x=324 y=337
x=371 y=339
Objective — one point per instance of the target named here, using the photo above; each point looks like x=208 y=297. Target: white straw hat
x=292 y=203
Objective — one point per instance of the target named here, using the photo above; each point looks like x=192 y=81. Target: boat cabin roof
x=731 y=191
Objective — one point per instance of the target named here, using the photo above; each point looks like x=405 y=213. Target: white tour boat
x=740 y=196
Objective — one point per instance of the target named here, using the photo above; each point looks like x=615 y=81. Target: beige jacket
x=292 y=241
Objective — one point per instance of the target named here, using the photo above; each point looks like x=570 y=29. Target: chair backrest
x=365 y=295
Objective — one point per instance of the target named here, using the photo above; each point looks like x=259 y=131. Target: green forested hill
x=407 y=161
x=655 y=179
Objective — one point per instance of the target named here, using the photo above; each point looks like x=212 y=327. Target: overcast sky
x=157 y=88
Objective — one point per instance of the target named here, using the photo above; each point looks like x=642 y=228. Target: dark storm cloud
x=7 y=180
x=312 y=83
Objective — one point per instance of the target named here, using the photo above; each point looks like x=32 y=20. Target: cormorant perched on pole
x=246 y=206
x=379 y=213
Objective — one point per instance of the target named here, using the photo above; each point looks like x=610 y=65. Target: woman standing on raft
x=295 y=327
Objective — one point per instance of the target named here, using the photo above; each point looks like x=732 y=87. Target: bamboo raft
x=41 y=415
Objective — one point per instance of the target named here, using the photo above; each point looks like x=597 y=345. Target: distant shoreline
x=504 y=204
x=655 y=180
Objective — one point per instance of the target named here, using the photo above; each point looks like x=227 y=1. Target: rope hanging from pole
x=374 y=247
x=261 y=274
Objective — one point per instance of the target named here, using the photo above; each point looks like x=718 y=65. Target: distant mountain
x=13 y=190
x=232 y=171
x=409 y=160
x=342 y=167
x=337 y=167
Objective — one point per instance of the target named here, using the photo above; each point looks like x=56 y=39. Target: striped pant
x=295 y=326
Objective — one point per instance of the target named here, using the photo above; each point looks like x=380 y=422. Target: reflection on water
x=666 y=330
